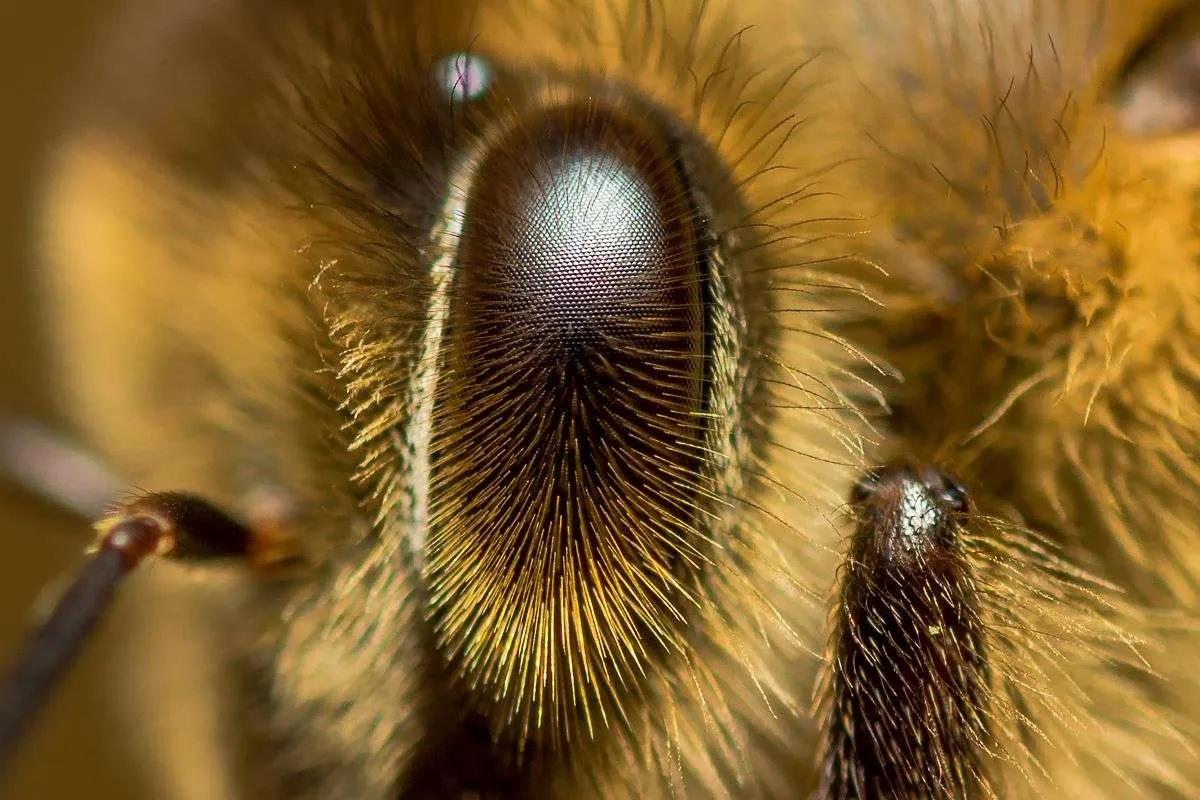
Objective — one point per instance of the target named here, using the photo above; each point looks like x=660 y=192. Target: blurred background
x=74 y=750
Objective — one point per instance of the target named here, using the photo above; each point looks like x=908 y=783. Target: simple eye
x=1158 y=91
x=463 y=76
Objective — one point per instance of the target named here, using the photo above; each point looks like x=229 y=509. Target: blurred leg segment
x=162 y=524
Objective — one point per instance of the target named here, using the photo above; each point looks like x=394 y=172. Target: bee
x=635 y=398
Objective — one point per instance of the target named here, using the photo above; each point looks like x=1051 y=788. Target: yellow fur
x=932 y=192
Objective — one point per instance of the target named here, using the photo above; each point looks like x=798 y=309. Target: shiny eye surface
x=579 y=227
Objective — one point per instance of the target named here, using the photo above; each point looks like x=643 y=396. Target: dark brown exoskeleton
x=909 y=714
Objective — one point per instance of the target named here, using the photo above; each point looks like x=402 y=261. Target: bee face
x=553 y=338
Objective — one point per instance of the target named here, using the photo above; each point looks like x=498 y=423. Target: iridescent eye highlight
x=580 y=228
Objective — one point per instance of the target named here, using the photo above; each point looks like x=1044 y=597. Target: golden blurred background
x=74 y=749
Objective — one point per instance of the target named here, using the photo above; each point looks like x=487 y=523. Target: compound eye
x=580 y=230
x=571 y=422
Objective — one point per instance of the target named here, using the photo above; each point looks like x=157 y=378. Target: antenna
x=161 y=524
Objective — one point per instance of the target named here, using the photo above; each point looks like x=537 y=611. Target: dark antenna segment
x=163 y=524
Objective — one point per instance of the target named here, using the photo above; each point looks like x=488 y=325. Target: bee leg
x=907 y=680
x=161 y=524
